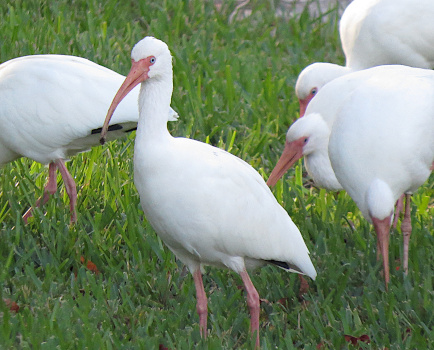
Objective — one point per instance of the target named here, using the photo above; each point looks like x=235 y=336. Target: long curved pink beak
x=303 y=104
x=138 y=73
x=292 y=152
x=382 y=228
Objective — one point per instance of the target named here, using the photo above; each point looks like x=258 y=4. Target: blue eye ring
x=152 y=60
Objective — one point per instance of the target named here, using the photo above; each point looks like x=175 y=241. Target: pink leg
x=406 y=231
x=50 y=188
x=398 y=209
x=202 y=304
x=382 y=228
x=253 y=303
x=70 y=187
x=378 y=248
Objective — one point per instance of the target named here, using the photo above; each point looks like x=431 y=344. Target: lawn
x=234 y=82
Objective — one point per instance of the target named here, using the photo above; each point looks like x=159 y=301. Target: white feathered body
x=208 y=206
x=329 y=102
x=383 y=140
x=214 y=209
x=377 y=32
x=53 y=106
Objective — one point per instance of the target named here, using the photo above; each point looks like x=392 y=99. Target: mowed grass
x=233 y=88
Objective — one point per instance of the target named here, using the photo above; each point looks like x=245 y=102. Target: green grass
x=234 y=89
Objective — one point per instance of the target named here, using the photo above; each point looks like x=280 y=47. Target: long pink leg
x=382 y=228
x=253 y=303
x=71 y=188
x=202 y=303
x=50 y=188
x=406 y=231
x=398 y=209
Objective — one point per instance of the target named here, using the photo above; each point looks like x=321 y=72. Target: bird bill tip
x=103 y=135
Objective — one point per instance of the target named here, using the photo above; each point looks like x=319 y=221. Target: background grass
x=234 y=89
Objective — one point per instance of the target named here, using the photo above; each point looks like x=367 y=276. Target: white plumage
x=373 y=33
x=308 y=137
x=382 y=146
x=380 y=118
x=208 y=206
x=53 y=106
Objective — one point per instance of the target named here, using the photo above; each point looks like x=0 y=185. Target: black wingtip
x=281 y=264
x=113 y=127
x=284 y=265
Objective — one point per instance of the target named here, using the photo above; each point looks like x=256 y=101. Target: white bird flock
x=369 y=131
x=373 y=33
x=382 y=122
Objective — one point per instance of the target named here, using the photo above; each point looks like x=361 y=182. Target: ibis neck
x=320 y=169
x=154 y=105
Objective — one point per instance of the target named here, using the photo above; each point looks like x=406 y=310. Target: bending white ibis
x=52 y=107
x=208 y=206
x=373 y=33
x=309 y=136
x=382 y=146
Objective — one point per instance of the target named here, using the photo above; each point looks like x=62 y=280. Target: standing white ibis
x=208 y=206
x=53 y=107
x=373 y=33
x=382 y=146
x=309 y=136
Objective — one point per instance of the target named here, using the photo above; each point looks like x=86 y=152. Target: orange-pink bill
x=292 y=152
x=138 y=73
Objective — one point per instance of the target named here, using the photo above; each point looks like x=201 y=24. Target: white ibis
x=382 y=146
x=52 y=107
x=309 y=136
x=208 y=206
x=373 y=33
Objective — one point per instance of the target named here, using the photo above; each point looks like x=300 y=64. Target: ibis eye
x=305 y=140
x=313 y=91
x=152 y=60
